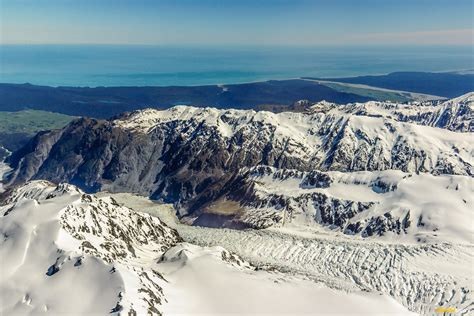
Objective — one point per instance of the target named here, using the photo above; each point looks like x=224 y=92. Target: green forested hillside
x=17 y=127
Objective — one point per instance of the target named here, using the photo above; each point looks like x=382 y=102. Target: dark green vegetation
x=448 y=84
x=17 y=127
x=103 y=102
x=274 y=95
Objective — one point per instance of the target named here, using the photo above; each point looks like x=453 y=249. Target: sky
x=242 y=22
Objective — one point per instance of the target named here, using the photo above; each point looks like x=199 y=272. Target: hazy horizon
x=167 y=65
x=262 y=23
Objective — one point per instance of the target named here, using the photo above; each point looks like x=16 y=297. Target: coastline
x=460 y=71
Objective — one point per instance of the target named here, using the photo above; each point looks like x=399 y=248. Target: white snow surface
x=64 y=252
x=228 y=121
x=4 y=169
x=201 y=283
x=422 y=277
x=441 y=208
x=357 y=128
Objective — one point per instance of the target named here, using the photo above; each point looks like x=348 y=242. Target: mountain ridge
x=66 y=252
x=193 y=157
x=56 y=237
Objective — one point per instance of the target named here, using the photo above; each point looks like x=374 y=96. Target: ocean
x=143 y=65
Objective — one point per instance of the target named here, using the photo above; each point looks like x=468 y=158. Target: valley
x=66 y=252
x=236 y=158
x=371 y=202
x=419 y=276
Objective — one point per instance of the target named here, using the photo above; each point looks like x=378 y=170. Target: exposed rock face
x=455 y=115
x=368 y=203
x=92 y=248
x=192 y=156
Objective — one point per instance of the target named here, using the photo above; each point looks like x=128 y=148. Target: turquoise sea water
x=114 y=65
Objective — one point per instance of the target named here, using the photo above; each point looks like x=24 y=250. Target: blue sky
x=244 y=22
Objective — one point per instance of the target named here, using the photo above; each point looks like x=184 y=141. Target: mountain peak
x=56 y=235
x=193 y=156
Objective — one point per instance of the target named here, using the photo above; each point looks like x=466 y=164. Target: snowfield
x=391 y=204
x=422 y=276
x=188 y=155
x=360 y=209
x=64 y=252
x=212 y=287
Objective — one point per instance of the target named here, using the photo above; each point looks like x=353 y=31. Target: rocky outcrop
x=455 y=115
x=192 y=156
x=88 y=247
x=369 y=203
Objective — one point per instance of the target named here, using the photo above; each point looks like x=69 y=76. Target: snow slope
x=422 y=277
x=201 y=283
x=4 y=169
x=392 y=204
x=323 y=180
x=185 y=154
x=65 y=252
x=427 y=113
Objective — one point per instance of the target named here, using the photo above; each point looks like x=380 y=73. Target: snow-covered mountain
x=421 y=276
x=67 y=252
x=64 y=252
x=455 y=115
x=366 y=198
x=414 y=207
x=197 y=158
